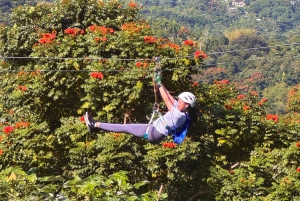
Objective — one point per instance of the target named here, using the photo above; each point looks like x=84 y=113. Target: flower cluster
x=103 y=39
x=272 y=117
x=188 y=42
x=97 y=75
x=171 y=46
x=22 y=124
x=132 y=4
x=22 y=88
x=117 y=135
x=246 y=107
x=222 y=82
x=298 y=144
x=149 y=39
x=8 y=129
x=198 y=54
x=47 y=37
x=254 y=93
x=169 y=145
x=133 y=27
x=262 y=101
x=141 y=64
x=228 y=107
x=241 y=96
x=73 y=31
x=102 y=29
x=195 y=84
x=298 y=169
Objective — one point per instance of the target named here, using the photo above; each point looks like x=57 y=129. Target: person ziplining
x=180 y=116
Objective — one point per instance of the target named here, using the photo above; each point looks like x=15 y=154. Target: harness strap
x=155 y=89
x=151 y=119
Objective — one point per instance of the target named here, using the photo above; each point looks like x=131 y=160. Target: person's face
x=182 y=106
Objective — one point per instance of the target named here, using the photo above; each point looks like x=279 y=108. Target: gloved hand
x=157 y=77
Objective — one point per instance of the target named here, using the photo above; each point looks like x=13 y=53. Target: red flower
x=188 y=42
x=272 y=117
x=224 y=81
x=169 y=145
x=22 y=88
x=298 y=169
x=101 y=39
x=254 y=93
x=81 y=119
x=47 y=37
x=221 y=82
x=8 y=129
x=92 y=28
x=22 y=124
x=198 y=54
x=132 y=4
x=138 y=64
x=1 y=137
x=232 y=101
x=97 y=75
x=149 y=39
x=195 y=84
x=298 y=144
x=145 y=64
x=1 y=151
x=246 y=107
x=228 y=107
x=241 y=96
x=263 y=100
x=73 y=31
x=69 y=31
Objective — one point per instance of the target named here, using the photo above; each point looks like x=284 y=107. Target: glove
x=157 y=78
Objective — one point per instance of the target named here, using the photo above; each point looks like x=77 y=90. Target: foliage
x=19 y=185
x=66 y=58
x=73 y=59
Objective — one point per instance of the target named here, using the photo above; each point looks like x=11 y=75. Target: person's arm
x=167 y=97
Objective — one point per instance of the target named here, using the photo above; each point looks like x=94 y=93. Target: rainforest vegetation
x=59 y=59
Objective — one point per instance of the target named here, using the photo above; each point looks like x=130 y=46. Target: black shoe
x=90 y=122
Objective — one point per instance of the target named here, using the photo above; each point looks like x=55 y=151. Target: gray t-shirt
x=174 y=117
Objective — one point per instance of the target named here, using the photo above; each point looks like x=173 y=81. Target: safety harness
x=178 y=133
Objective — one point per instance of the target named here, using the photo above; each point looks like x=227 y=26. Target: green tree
x=69 y=57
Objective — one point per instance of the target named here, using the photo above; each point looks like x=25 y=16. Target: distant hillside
x=266 y=16
x=269 y=17
x=6 y=7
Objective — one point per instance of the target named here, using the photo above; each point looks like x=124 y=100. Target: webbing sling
x=155 y=89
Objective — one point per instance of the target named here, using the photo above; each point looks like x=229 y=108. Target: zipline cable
x=150 y=70
x=147 y=59
x=128 y=59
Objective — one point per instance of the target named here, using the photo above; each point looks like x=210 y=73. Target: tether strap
x=155 y=90
x=156 y=69
x=154 y=110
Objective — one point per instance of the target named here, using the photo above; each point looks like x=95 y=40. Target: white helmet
x=188 y=97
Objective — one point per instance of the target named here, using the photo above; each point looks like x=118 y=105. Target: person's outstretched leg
x=137 y=130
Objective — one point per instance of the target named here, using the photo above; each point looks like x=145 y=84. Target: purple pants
x=137 y=130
